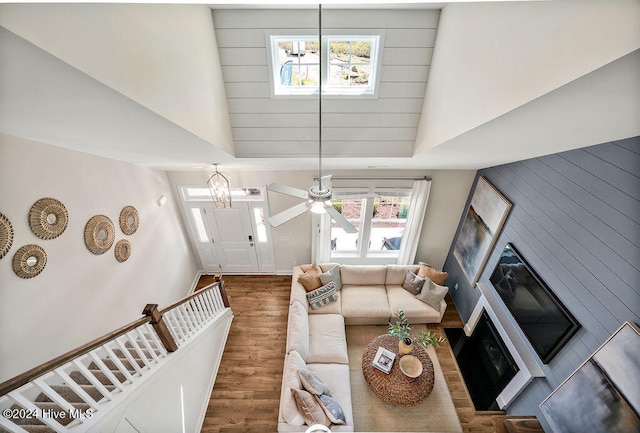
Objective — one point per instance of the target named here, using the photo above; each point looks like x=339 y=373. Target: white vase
x=404 y=348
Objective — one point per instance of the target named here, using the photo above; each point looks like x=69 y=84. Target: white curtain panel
x=415 y=218
x=320 y=251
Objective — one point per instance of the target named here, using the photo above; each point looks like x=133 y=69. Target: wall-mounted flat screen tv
x=545 y=321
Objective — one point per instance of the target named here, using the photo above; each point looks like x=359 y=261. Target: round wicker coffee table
x=395 y=387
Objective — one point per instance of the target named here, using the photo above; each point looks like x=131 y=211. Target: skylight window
x=351 y=68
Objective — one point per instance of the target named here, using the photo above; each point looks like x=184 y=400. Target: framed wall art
x=603 y=394
x=482 y=224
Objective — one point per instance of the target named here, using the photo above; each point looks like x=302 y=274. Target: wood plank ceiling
x=266 y=127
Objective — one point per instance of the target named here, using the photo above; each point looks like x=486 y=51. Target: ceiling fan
x=318 y=197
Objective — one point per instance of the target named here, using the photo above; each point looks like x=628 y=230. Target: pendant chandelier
x=220 y=188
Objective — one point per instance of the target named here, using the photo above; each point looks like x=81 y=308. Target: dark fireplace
x=484 y=361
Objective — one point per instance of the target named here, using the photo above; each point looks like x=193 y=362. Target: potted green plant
x=401 y=330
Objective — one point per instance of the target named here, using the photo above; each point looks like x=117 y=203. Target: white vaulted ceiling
x=463 y=85
x=266 y=127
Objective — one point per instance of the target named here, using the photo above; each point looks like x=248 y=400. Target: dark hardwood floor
x=246 y=395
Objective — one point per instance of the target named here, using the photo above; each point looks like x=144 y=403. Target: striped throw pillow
x=323 y=295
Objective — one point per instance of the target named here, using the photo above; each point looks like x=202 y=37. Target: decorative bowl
x=410 y=366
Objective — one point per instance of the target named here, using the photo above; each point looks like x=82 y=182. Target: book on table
x=383 y=360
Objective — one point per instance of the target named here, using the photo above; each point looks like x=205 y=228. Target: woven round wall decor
x=48 y=218
x=29 y=261
x=122 y=250
x=129 y=220
x=6 y=235
x=99 y=234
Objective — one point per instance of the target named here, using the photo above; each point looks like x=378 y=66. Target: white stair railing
x=73 y=391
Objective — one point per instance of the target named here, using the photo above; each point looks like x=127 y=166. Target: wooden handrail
x=26 y=377
x=223 y=293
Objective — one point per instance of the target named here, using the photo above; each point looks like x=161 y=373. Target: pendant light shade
x=220 y=188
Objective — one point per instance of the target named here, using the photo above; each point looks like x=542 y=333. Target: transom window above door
x=198 y=193
x=350 y=69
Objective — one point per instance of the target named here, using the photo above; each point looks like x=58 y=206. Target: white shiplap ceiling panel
x=287 y=126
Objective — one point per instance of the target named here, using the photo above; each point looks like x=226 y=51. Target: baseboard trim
x=194 y=284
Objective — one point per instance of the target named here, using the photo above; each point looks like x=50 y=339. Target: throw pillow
x=332 y=409
x=413 y=283
x=310 y=280
x=312 y=412
x=312 y=383
x=428 y=271
x=432 y=294
x=332 y=275
x=322 y=296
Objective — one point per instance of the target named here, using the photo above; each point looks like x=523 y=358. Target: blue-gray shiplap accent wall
x=576 y=220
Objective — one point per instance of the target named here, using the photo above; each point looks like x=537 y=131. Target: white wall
x=292 y=241
x=175 y=398
x=508 y=54
x=163 y=56
x=80 y=296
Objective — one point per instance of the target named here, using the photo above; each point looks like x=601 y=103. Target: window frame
x=277 y=91
x=199 y=193
x=364 y=252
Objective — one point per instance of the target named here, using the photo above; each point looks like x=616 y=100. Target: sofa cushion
x=327 y=339
x=415 y=310
x=310 y=280
x=312 y=383
x=432 y=293
x=322 y=296
x=413 y=283
x=332 y=275
x=336 y=376
x=332 y=409
x=290 y=380
x=298 y=330
x=311 y=410
x=432 y=273
x=298 y=292
x=397 y=273
x=365 y=304
x=363 y=275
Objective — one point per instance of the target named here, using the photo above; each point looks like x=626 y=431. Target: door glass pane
x=258 y=215
x=351 y=209
x=388 y=222
x=199 y=222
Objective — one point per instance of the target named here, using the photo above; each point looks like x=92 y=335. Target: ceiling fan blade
x=288 y=214
x=288 y=190
x=326 y=180
x=342 y=221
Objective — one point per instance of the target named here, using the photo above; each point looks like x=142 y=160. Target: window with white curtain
x=389 y=221
x=380 y=222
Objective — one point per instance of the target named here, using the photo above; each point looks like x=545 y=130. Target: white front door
x=234 y=239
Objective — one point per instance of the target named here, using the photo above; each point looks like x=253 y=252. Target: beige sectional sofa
x=316 y=338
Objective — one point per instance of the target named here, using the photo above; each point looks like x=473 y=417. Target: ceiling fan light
x=317 y=207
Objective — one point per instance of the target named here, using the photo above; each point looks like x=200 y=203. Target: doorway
x=233 y=240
